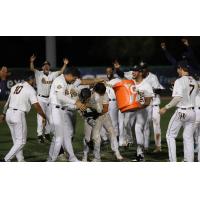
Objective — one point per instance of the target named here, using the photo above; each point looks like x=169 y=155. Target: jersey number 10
x=18 y=89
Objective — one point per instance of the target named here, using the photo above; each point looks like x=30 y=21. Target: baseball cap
x=136 y=68
x=143 y=65
x=46 y=63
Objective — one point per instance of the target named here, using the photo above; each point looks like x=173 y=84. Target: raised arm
x=190 y=54
x=32 y=59
x=117 y=69
x=168 y=55
x=65 y=63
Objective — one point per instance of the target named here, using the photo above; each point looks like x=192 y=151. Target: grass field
x=35 y=152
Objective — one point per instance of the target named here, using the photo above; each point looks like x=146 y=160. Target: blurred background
x=91 y=54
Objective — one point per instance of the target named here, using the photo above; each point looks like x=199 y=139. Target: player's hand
x=163 y=111
x=116 y=64
x=81 y=106
x=2 y=118
x=65 y=61
x=185 y=42
x=163 y=45
x=32 y=58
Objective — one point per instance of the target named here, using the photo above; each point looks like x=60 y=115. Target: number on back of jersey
x=18 y=89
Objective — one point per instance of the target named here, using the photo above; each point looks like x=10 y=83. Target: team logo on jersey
x=46 y=82
x=59 y=86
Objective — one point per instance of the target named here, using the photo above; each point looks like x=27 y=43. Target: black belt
x=15 y=109
x=43 y=96
x=155 y=105
x=112 y=99
x=191 y=108
x=59 y=107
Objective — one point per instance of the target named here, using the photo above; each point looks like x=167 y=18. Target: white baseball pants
x=17 y=124
x=197 y=130
x=185 y=119
x=63 y=132
x=103 y=121
x=147 y=126
x=46 y=109
x=140 y=118
x=156 y=125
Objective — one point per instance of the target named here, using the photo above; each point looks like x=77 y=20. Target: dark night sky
x=92 y=51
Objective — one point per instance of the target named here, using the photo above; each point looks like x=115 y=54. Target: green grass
x=34 y=151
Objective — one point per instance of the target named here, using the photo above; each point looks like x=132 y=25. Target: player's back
x=21 y=95
x=188 y=88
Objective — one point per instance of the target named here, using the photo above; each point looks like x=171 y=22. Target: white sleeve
x=148 y=91
x=33 y=97
x=156 y=84
x=55 y=74
x=60 y=93
x=77 y=82
x=65 y=99
x=177 y=90
x=173 y=102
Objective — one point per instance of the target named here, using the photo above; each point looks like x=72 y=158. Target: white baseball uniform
x=43 y=83
x=153 y=110
x=22 y=96
x=112 y=109
x=139 y=116
x=62 y=107
x=197 y=122
x=105 y=121
x=186 y=88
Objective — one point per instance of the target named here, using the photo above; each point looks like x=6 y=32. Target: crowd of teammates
x=61 y=94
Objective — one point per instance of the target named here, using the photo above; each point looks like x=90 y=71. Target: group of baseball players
x=62 y=94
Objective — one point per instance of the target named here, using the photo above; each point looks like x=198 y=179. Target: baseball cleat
x=84 y=159
x=157 y=150
x=40 y=139
x=118 y=156
x=48 y=137
x=139 y=158
x=74 y=159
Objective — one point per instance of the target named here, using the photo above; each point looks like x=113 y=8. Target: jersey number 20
x=18 y=89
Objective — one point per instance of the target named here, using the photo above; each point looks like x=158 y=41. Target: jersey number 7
x=18 y=89
x=192 y=88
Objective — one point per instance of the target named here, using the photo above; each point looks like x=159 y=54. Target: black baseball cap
x=136 y=68
x=143 y=65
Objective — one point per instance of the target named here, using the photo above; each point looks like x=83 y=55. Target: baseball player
x=197 y=123
x=63 y=100
x=138 y=117
x=153 y=109
x=44 y=79
x=184 y=94
x=100 y=102
x=113 y=109
x=21 y=97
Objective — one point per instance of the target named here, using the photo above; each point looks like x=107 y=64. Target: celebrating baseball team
x=119 y=110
